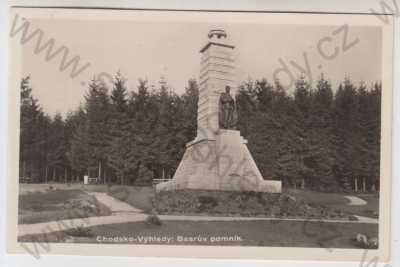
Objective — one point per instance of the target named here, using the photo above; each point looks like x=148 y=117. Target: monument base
x=221 y=163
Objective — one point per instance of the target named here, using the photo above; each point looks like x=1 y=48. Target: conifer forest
x=316 y=137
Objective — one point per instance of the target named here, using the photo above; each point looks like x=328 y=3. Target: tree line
x=317 y=138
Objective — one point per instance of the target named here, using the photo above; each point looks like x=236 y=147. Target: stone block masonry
x=217 y=159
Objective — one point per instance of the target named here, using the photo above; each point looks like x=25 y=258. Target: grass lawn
x=247 y=233
x=338 y=201
x=138 y=196
x=58 y=205
x=31 y=188
x=141 y=197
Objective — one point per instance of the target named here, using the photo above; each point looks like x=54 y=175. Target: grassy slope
x=252 y=233
x=138 y=196
x=49 y=206
x=338 y=201
x=30 y=188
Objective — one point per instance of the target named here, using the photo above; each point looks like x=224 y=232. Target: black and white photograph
x=188 y=133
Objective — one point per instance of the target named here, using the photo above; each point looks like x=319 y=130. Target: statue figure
x=227 y=111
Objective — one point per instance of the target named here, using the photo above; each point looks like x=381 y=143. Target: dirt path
x=62 y=225
x=116 y=206
x=230 y=218
x=366 y=219
x=356 y=201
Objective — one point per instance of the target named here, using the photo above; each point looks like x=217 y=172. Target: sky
x=150 y=50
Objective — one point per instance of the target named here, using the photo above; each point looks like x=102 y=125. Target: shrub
x=373 y=243
x=239 y=203
x=363 y=241
x=79 y=231
x=206 y=203
x=101 y=209
x=353 y=218
x=153 y=219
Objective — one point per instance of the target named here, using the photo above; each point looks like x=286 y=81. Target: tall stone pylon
x=217 y=70
x=217 y=159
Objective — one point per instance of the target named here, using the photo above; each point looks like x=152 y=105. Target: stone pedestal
x=224 y=163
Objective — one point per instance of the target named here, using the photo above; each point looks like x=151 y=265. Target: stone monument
x=218 y=158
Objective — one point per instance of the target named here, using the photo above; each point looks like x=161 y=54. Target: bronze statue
x=227 y=111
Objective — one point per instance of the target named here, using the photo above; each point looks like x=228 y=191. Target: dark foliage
x=316 y=138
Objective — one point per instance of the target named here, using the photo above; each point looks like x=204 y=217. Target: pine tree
x=347 y=133
x=77 y=147
x=369 y=123
x=187 y=117
x=183 y=112
x=97 y=118
x=247 y=106
x=119 y=156
x=141 y=112
x=57 y=144
x=34 y=125
x=374 y=135
x=320 y=136
x=264 y=130
x=163 y=146
x=304 y=149
x=119 y=94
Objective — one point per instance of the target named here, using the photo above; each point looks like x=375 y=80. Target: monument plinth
x=218 y=158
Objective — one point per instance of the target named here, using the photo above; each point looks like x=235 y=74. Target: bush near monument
x=241 y=203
